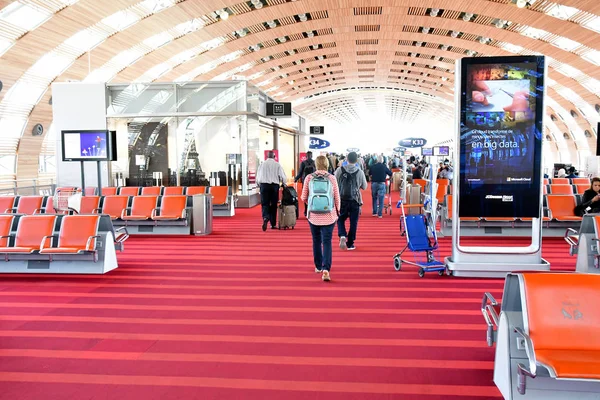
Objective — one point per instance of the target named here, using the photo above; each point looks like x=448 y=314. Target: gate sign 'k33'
x=413 y=142
x=316 y=143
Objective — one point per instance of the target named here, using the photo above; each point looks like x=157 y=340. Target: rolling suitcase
x=286 y=217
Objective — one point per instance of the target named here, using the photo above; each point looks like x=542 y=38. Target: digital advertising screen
x=86 y=145
x=427 y=151
x=441 y=151
x=501 y=113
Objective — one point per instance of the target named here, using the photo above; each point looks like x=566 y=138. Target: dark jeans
x=269 y=196
x=349 y=209
x=321 y=236
x=378 y=194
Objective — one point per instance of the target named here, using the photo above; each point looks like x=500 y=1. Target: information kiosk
x=499 y=131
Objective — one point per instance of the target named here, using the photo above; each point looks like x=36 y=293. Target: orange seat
x=89 y=204
x=442 y=191
x=29 y=204
x=142 y=208
x=449 y=208
x=582 y=187
x=31 y=232
x=114 y=205
x=91 y=191
x=546 y=181
x=562 y=207
x=6 y=222
x=7 y=203
x=561 y=189
x=499 y=219
x=220 y=195
x=581 y=181
x=171 y=208
x=78 y=234
x=194 y=190
x=109 y=191
x=151 y=191
x=563 y=317
x=421 y=182
x=48 y=208
x=560 y=181
x=129 y=191
x=443 y=181
x=173 y=191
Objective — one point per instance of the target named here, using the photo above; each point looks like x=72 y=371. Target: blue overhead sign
x=413 y=142
x=353 y=149
x=316 y=143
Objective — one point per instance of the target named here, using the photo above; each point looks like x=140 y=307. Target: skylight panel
x=562 y=12
x=566 y=44
x=513 y=48
x=155 y=72
x=5 y=45
x=534 y=33
x=85 y=40
x=154 y=6
x=121 y=20
x=190 y=26
x=50 y=65
x=24 y=92
x=101 y=75
x=256 y=75
x=25 y=16
x=592 y=56
x=156 y=41
x=593 y=24
x=182 y=57
x=12 y=127
x=568 y=71
x=128 y=57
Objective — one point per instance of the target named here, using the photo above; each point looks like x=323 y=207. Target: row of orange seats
x=152 y=190
x=579 y=188
x=35 y=235
x=567 y=181
x=559 y=208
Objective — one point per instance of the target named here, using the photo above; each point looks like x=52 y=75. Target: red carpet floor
x=241 y=315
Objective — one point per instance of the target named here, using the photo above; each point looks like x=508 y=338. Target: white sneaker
x=325 y=276
x=317 y=270
x=343 y=241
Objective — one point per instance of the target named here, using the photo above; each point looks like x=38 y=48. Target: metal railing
x=27 y=187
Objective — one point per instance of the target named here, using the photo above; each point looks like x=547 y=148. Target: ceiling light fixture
x=302 y=17
x=434 y=12
x=224 y=15
x=467 y=17
x=455 y=34
x=310 y=34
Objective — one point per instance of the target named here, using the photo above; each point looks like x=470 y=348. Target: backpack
x=320 y=199
x=289 y=196
x=309 y=168
x=348 y=183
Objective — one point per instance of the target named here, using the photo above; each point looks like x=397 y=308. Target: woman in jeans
x=322 y=224
x=378 y=174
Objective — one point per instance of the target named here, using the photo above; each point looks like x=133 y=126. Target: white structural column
x=78 y=106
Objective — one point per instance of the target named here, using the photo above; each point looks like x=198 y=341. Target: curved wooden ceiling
x=334 y=58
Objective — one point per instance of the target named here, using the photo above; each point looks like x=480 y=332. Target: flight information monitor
x=426 y=151
x=501 y=111
x=86 y=145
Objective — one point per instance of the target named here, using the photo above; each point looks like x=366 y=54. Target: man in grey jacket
x=351 y=180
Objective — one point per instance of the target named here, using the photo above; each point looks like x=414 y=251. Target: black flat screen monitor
x=89 y=145
x=501 y=113
x=426 y=151
x=441 y=151
x=113 y=145
x=279 y=109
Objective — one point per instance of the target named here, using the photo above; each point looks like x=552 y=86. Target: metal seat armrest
x=489 y=315
x=126 y=211
x=89 y=242
x=125 y=235
x=522 y=371
x=12 y=210
x=569 y=236
x=96 y=211
x=39 y=211
x=51 y=237
x=155 y=212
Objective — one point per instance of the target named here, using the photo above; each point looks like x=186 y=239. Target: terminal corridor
x=241 y=314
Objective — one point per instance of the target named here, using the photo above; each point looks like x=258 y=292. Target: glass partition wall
x=197 y=133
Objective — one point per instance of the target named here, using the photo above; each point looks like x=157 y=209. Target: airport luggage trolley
x=387 y=200
x=421 y=239
x=67 y=200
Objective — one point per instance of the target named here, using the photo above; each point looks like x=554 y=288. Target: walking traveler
x=269 y=176
x=307 y=167
x=351 y=180
x=378 y=174
x=320 y=191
